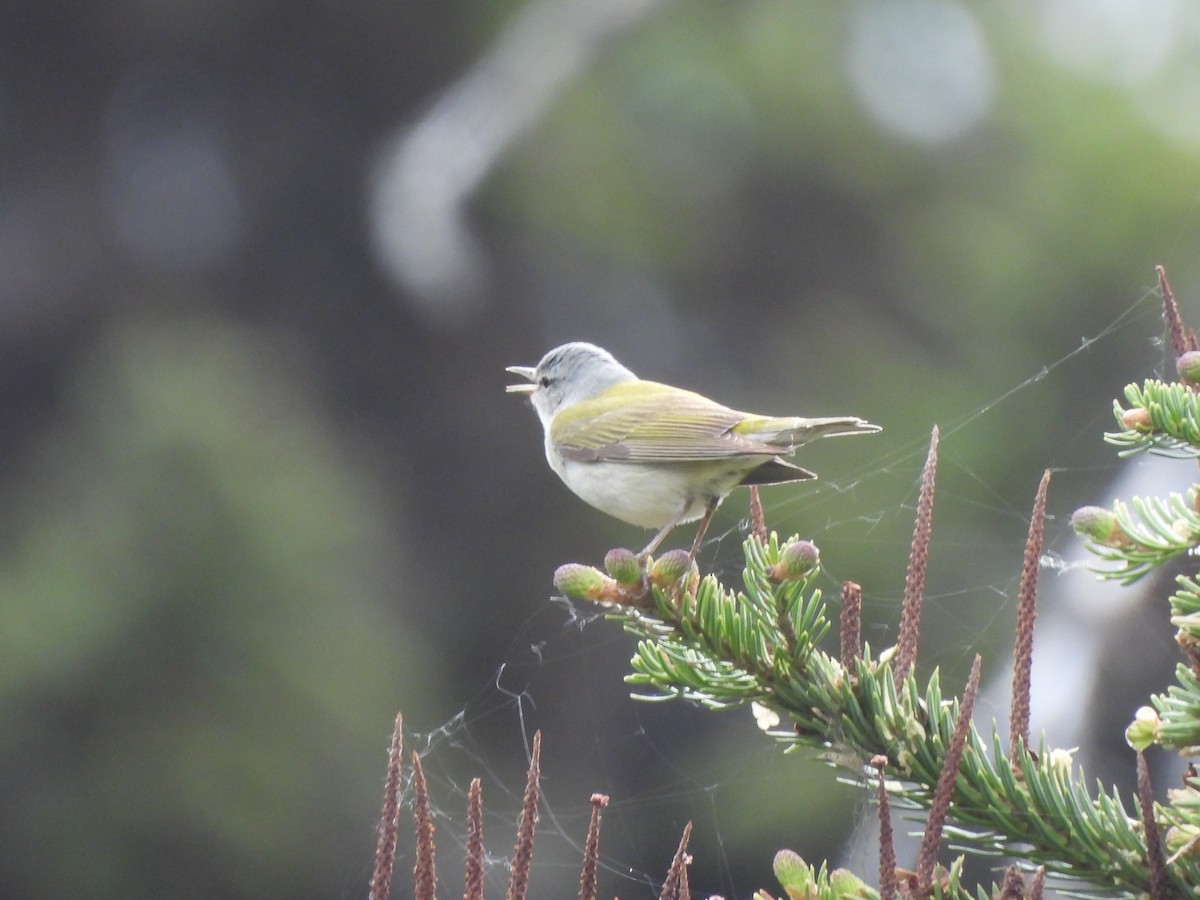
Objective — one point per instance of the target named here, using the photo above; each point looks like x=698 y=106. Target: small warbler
x=655 y=455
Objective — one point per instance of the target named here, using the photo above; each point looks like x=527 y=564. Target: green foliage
x=802 y=881
x=1161 y=418
x=1150 y=533
x=1140 y=536
x=723 y=648
x=1170 y=424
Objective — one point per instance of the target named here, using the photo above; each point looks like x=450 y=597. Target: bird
x=654 y=455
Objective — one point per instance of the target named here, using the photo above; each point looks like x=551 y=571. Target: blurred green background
x=262 y=266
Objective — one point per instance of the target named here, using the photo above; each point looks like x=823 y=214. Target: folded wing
x=648 y=422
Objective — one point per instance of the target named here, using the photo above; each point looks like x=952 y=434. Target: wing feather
x=646 y=422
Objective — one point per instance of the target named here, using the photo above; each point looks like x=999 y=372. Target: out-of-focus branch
x=427 y=173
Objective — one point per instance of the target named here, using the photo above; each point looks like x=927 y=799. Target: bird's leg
x=664 y=531
x=709 y=510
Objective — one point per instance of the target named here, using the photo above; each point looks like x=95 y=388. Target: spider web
x=665 y=764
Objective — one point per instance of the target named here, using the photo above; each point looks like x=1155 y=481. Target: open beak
x=526 y=372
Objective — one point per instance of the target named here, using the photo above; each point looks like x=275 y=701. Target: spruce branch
x=723 y=648
x=702 y=641
x=1176 y=724
x=1185 y=615
x=1140 y=536
x=1159 y=417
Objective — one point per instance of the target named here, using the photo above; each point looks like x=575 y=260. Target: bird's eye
x=544 y=381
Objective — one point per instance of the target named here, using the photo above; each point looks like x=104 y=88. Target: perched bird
x=655 y=455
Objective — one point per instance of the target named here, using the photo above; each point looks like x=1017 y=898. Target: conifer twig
x=918 y=563
x=1013 y=886
x=887 y=841
x=473 y=869
x=758 y=520
x=1039 y=883
x=944 y=792
x=591 y=850
x=1018 y=727
x=518 y=881
x=675 y=887
x=1155 y=863
x=424 y=869
x=1181 y=339
x=389 y=817
x=850 y=632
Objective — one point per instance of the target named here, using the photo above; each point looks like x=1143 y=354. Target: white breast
x=642 y=495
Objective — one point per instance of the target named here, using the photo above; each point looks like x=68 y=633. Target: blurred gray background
x=262 y=266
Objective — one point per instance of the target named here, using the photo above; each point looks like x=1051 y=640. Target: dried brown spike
x=591 y=850
x=851 y=625
x=1013 y=886
x=1039 y=883
x=1182 y=340
x=887 y=841
x=1155 y=863
x=1018 y=723
x=473 y=874
x=675 y=887
x=758 y=520
x=944 y=792
x=424 y=870
x=389 y=817
x=918 y=563
x=518 y=881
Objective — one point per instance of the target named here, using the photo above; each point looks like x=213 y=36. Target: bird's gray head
x=567 y=375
